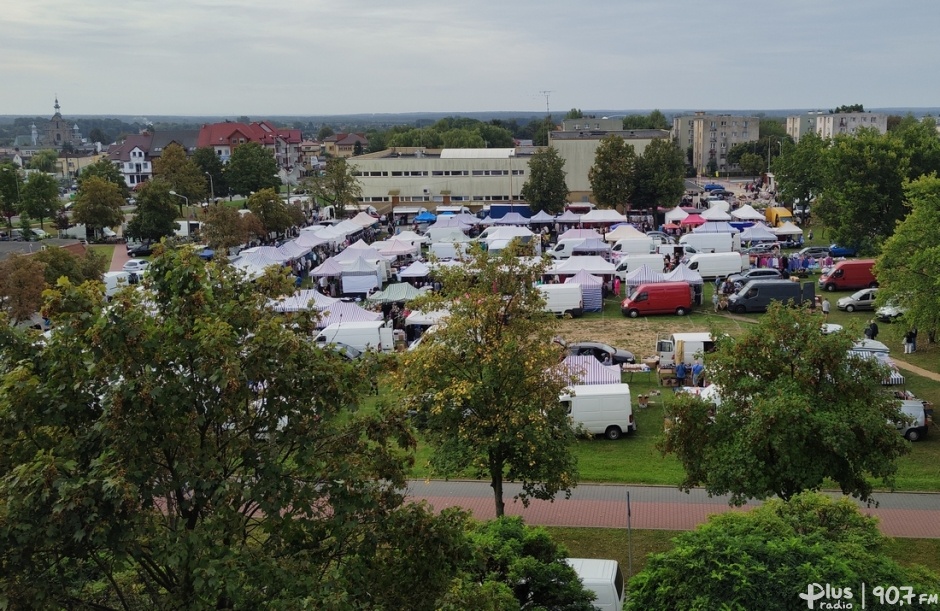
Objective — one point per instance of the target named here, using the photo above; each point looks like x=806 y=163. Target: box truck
x=712 y=242
x=370 y=335
x=718 y=264
x=848 y=275
x=600 y=409
x=633 y=246
x=757 y=295
x=777 y=216
x=658 y=298
x=602 y=577
x=563 y=299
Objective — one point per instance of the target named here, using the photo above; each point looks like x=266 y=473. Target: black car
x=601 y=351
x=759 y=273
x=140 y=250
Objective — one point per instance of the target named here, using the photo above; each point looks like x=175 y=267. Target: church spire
x=57 y=104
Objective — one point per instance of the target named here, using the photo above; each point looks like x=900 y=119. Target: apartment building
x=712 y=136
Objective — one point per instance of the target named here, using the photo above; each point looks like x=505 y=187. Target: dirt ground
x=636 y=335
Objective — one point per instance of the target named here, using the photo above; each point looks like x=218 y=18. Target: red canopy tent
x=692 y=219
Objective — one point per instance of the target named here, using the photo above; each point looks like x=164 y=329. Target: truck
x=718 y=264
x=757 y=295
x=563 y=299
x=712 y=242
x=602 y=577
x=683 y=348
x=600 y=409
x=628 y=263
x=777 y=215
x=370 y=335
x=849 y=275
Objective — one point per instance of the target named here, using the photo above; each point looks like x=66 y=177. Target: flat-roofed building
x=713 y=136
x=832 y=125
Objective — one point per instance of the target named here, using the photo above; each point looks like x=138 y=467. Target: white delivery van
x=115 y=281
x=563 y=299
x=915 y=428
x=683 y=347
x=448 y=250
x=629 y=263
x=634 y=246
x=718 y=264
x=370 y=335
x=565 y=248
x=601 y=409
x=604 y=578
x=712 y=242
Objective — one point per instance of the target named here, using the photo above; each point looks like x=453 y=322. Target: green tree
x=863 y=199
x=772 y=129
x=325 y=132
x=848 y=108
x=40 y=197
x=224 y=228
x=541 y=130
x=654 y=120
x=99 y=135
x=209 y=163
x=98 y=204
x=268 y=206
x=44 y=161
x=574 y=113
x=104 y=169
x=11 y=185
x=462 y=139
x=660 y=175
x=752 y=164
x=921 y=144
x=357 y=149
x=613 y=175
x=189 y=450
x=20 y=293
x=251 y=168
x=907 y=268
x=155 y=217
x=797 y=409
x=495 y=136
x=526 y=562
x=336 y=186
x=182 y=174
x=657 y=120
x=766 y=557
x=546 y=188
x=60 y=263
x=800 y=169
x=483 y=385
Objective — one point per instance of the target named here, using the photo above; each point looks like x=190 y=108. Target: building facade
x=832 y=125
x=344 y=145
x=284 y=143
x=135 y=156
x=713 y=136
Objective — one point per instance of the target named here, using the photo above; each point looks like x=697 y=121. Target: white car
x=889 y=312
x=136 y=265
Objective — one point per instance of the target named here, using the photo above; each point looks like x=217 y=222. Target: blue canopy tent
x=425 y=217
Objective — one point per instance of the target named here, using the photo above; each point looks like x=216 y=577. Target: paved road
x=119 y=257
x=657 y=507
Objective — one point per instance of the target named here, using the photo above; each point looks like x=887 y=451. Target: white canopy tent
x=360 y=276
x=411 y=236
x=682 y=273
x=344 y=311
x=396 y=248
x=787 y=228
x=568 y=217
x=542 y=217
x=715 y=227
x=715 y=213
x=326 y=269
x=415 y=270
x=625 y=232
x=588 y=370
x=603 y=216
x=675 y=215
x=758 y=233
x=512 y=218
x=597 y=266
x=364 y=220
x=302 y=300
x=747 y=213
x=644 y=275
x=580 y=234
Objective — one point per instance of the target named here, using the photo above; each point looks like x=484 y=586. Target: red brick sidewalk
x=119 y=257
x=604 y=506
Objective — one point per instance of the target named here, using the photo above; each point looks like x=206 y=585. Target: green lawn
x=106 y=249
x=613 y=543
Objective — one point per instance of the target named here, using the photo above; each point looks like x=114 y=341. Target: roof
x=8 y=248
x=215 y=134
x=122 y=151
x=478 y=153
x=186 y=138
x=394 y=293
x=633 y=134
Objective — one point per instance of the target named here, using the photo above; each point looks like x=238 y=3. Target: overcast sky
x=313 y=57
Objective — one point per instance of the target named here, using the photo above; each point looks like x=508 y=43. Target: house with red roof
x=135 y=156
x=284 y=143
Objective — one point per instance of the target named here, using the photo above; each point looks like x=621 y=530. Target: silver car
x=859 y=300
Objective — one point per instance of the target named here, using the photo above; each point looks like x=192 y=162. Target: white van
x=448 y=250
x=915 y=428
x=633 y=246
x=718 y=264
x=712 y=242
x=601 y=409
x=683 y=348
x=563 y=299
x=115 y=281
x=370 y=335
x=604 y=578
x=565 y=248
x=627 y=264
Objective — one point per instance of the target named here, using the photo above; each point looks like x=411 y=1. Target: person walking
x=825 y=308
x=908 y=339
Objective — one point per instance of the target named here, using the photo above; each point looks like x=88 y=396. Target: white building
x=798 y=125
x=831 y=125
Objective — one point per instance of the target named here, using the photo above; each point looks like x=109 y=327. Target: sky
x=313 y=57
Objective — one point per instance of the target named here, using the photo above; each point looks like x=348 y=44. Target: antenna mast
x=546 y=94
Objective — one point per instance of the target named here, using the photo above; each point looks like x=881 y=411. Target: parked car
x=140 y=250
x=758 y=273
x=816 y=252
x=761 y=249
x=713 y=187
x=136 y=265
x=600 y=351
x=889 y=313
x=842 y=251
x=346 y=351
x=859 y=300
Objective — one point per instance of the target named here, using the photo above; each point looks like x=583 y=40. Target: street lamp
x=211 y=186
x=175 y=194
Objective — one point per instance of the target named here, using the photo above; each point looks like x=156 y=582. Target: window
x=396 y=173
x=744 y=124
x=477 y=172
x=744 y=135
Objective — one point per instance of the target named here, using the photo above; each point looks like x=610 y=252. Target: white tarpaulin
x=644 y=275
x=747 y=213
x=675 y=215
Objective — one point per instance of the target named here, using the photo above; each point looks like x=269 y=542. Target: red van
x=659 y=298
x=850 y=275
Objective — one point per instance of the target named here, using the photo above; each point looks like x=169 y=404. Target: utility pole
x=548 y=112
